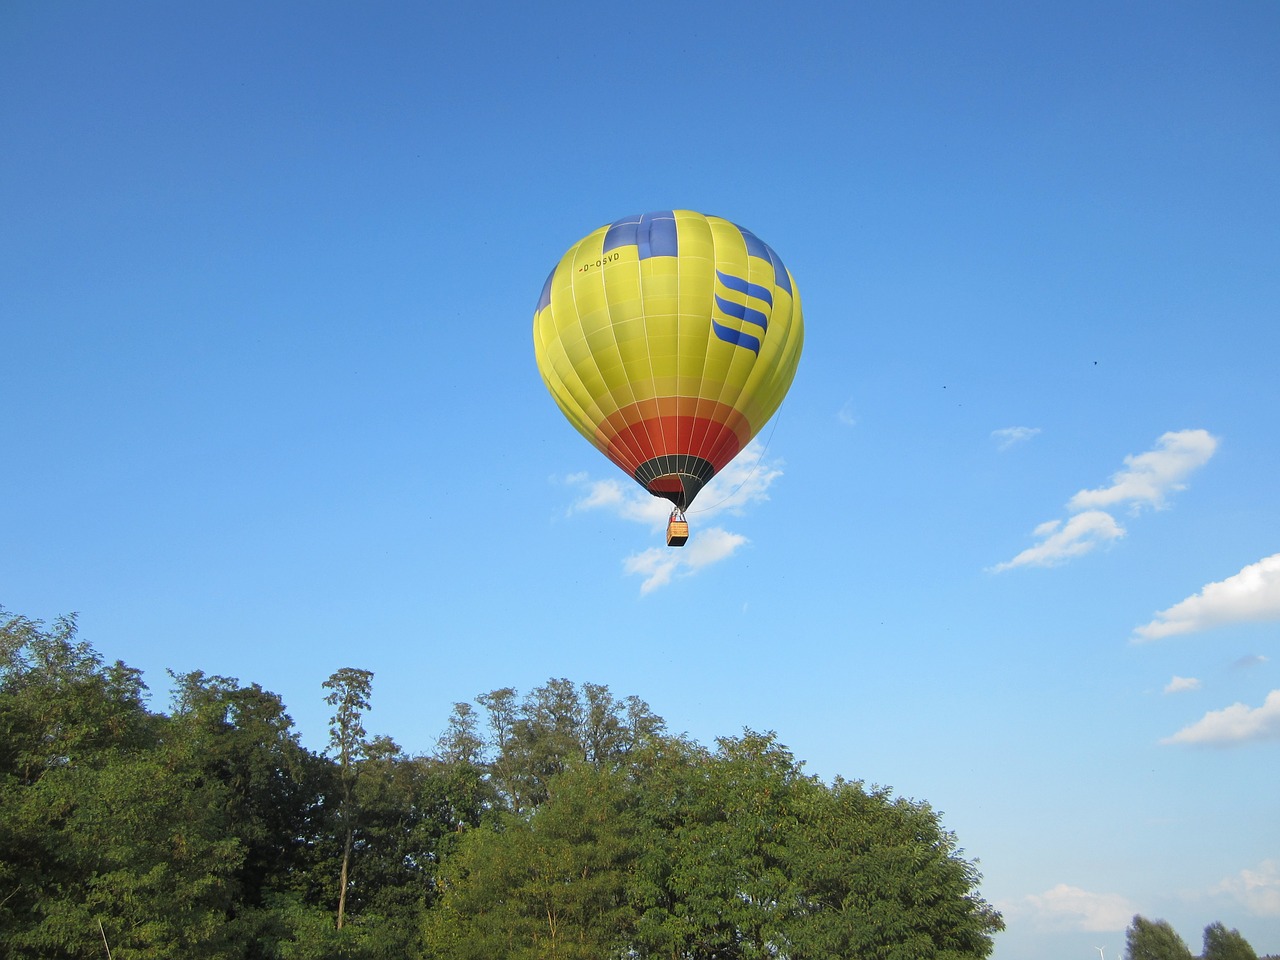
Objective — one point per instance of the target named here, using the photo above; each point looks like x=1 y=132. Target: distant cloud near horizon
x=1258 y=889
x=1238 y=723
x=1146 y=481
x=1065 y=907
x=744 y=481
x=1009 y=436
x=1251 y=595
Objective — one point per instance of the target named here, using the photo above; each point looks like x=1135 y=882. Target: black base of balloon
x=693 y=473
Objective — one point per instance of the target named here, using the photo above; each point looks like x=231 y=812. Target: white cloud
x=746 y=480
x=659 y=564
x=1149 y=476
x=1071 y=908
x=1258 y=889
x=845 y=414
x=1145 y=481
x=1059 y=542
x=622 y=501
x=1182 y=684
x=1250 y=595
x=1238 y=723
x=1008 y=436
x=743 y=482
x=600 y=493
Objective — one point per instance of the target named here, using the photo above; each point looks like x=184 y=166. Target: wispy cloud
x=600 y=493
x=1149 y=477
x=1238 y=723
x=627 y=501
x=846 y=416
x=1257 y=889
x=1070 y=908
x=1251 y=595
x=1147 y=480
x=743 y=482
x=1008 y=436
x=1248 y=661
x=1060 y=542
x=658 y=565
x=1181 y=685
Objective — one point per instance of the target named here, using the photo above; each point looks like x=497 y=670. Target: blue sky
x=1012 y=544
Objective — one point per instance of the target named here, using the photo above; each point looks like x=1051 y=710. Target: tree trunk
x=342 y=881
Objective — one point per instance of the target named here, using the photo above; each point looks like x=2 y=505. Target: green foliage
x=683 y=853
x=272 y=788
x=461 y=742
x=1223 y=944
x=1154 y=940
x=747 y=857
x=565 y=824
x=349 y=691
x=530 y=742
x=549 y=884
x=109 y=828
x=62 y=706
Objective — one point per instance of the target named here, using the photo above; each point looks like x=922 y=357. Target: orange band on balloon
x=694 y=426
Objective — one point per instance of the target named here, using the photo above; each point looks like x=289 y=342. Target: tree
x=1154 y=940
x=576 y=829
x=555 y=726
x=611 y=730
x=242 y=738
x=108 y=826
x=878 y=876
x=61 y=704
x=349 y=690
x=711 y=880
x=547 y=884
x=744 y=856
x=546 y=738
x=683 y=853
x=461 y=742
x=1223 y=944
x=502 y=710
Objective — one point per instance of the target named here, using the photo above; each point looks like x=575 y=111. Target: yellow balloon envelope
x=669 y=339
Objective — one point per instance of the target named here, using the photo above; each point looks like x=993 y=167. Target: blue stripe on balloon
x=742 y=312
x=544 y=301
x=755 y=246
x=661 y=236
x=758 y=248
x=736 y=337
x=643 y=229
x=621 y=233
x=781 y=277
x=652 y=234
x=743 y=286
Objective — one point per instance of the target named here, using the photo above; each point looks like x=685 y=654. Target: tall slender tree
x=349 y=692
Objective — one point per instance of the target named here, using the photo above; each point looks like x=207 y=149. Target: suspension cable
x=776 y=417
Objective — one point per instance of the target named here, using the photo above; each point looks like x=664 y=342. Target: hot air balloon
x=668 y=340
